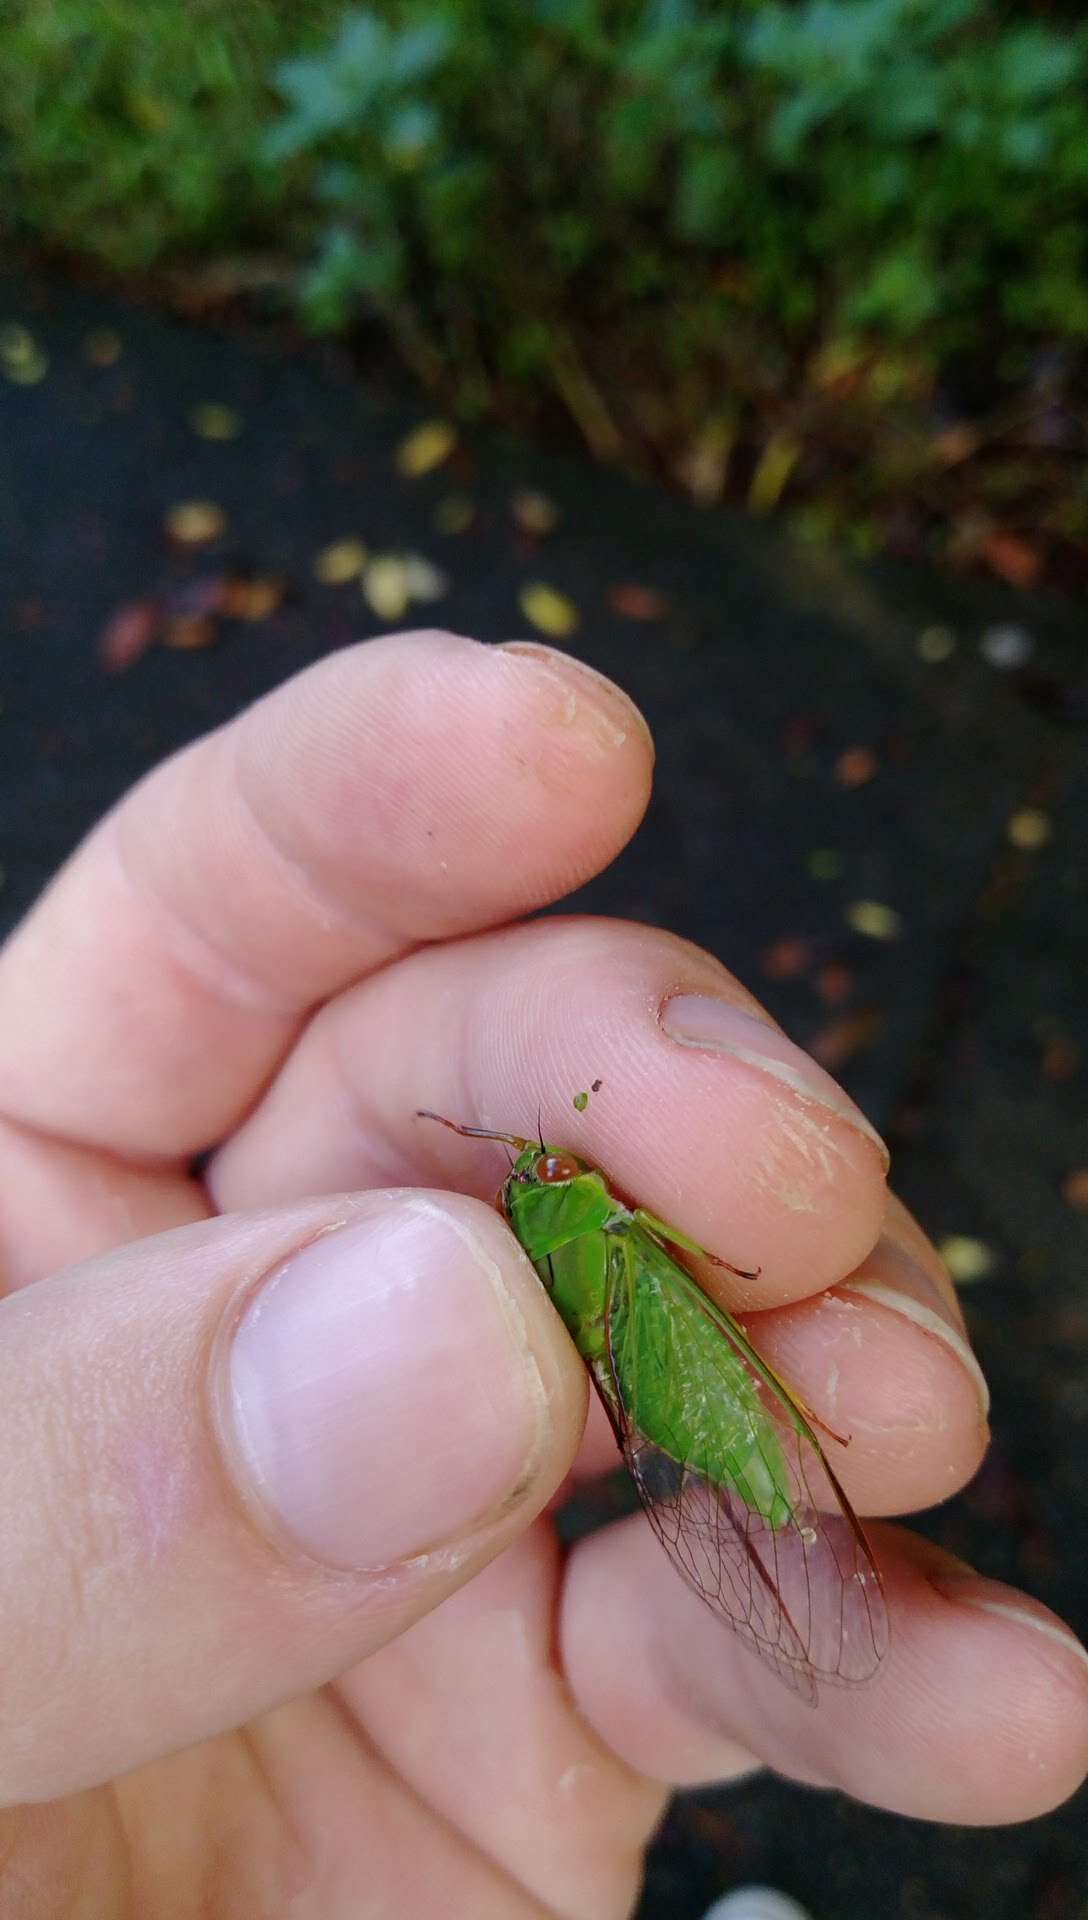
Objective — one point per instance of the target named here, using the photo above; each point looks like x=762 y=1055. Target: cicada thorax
x=559 y=1213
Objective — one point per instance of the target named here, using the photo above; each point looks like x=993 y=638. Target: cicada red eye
x=552 y=1168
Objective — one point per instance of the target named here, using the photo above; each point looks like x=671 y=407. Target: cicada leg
x=661 y=1230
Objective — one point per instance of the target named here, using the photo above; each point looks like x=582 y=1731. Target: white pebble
x=756 y=1903
x=1006 y=647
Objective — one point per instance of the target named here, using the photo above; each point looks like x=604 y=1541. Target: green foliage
x=130 y=129
x=651 y=208
x=905 y=170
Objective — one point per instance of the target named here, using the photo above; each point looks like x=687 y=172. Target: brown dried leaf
x=856 y=766
x=128 y=633
x=188 y=632
x=1012 y=558
x=534 y=512
x=786 y=958
x=954 y=444
x=834 y=983
x=636 y=602
x=253 y=597
x=837 y=1043
x=1061 y=1059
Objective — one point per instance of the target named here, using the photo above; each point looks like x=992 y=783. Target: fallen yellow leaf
x=874 y=919
x=193 y=523
x=213 y=421
x=425 y=448
x=548 y=610
x=1029 y=829
x=385 y=586
x=344 y=560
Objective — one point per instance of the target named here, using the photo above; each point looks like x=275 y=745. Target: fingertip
x=978 y=1713
x=901 y=1394
x=619 y=723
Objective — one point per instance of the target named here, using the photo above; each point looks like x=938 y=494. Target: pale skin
x=281 y=944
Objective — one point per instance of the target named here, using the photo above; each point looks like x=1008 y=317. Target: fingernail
x=384 y=1397
x=968 y=1589
x=891 y=1278
x=700 y=1020
x=580 y=692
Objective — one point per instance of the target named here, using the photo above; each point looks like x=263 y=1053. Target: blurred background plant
x=828 y=257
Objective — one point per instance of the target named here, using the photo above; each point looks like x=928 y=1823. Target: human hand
x=256 y=1437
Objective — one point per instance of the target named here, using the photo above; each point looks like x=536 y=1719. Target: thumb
x=240 y=1456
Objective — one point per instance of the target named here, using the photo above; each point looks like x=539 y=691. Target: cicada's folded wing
x=733 y=1480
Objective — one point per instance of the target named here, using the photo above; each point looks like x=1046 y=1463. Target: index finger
x=401 y=791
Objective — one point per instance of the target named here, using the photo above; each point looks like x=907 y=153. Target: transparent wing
x=733 y=1479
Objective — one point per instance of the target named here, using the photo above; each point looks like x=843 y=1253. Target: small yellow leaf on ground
x=193 y=523
x=212 y=421
x=548 y=610
x=874 y=919
x=22 y=360
x=344 y=560
x=1029 y=829
x=425 y=448
x=385 y=586
x=966 y=1258
x=773 y=469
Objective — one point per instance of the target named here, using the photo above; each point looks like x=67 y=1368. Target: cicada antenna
x=473 y=1133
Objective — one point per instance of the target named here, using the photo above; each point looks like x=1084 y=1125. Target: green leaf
x=706 y=192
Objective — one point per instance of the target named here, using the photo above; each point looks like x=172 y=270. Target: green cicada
x=724 y=1456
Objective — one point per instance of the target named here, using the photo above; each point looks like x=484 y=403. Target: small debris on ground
x=874 y=919
x=966 y=1258
x=195 y=523
x=425 y=448
x=548 y=610
x=340 y=562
